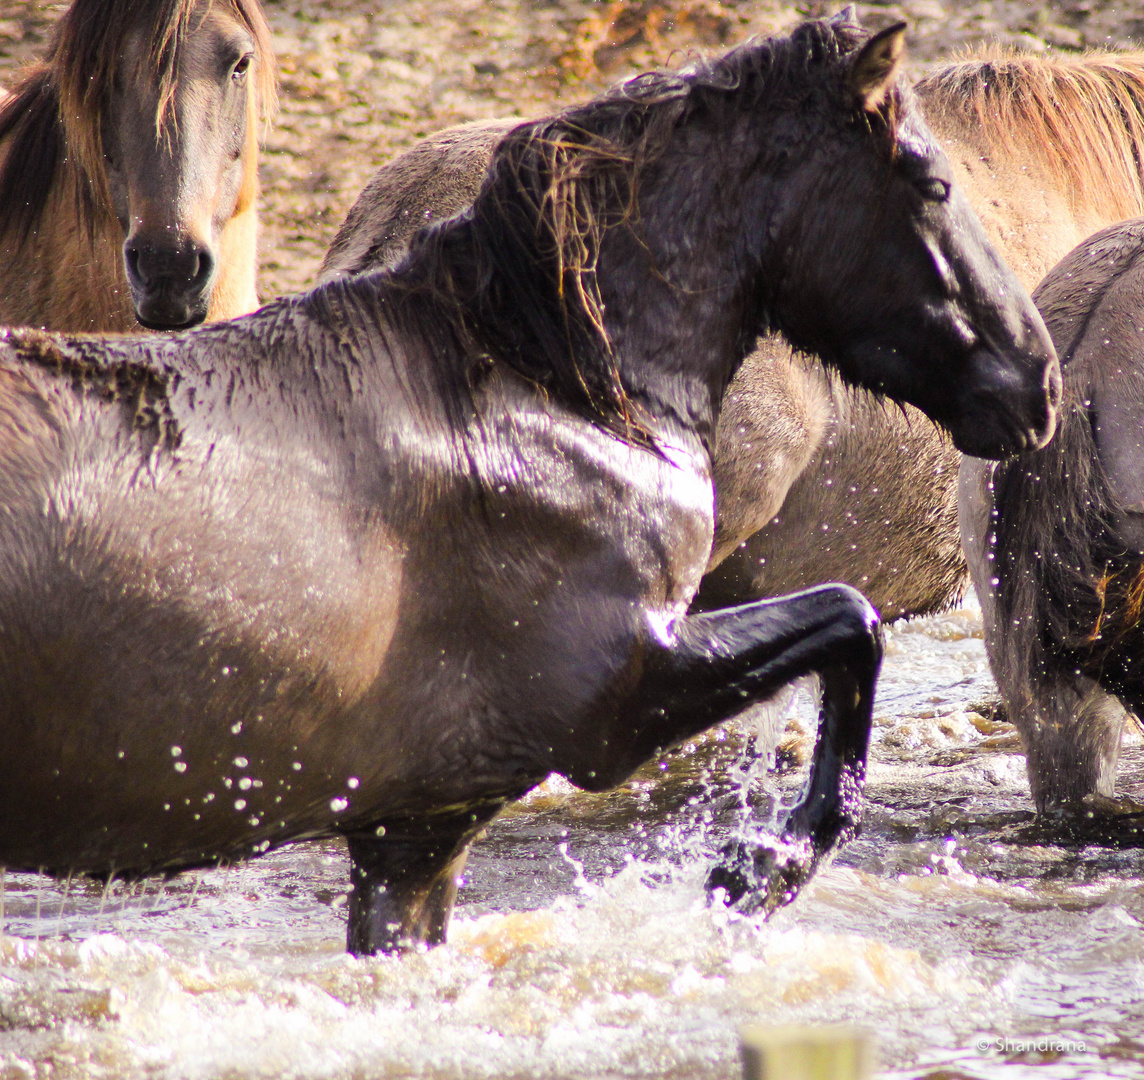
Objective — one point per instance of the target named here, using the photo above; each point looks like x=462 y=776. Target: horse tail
x=1070 y=592
x=35 y=149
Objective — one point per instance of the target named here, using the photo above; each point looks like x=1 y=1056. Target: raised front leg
x=725 y=660
x=404 y=876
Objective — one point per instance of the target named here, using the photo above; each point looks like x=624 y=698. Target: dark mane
x=516 y=274
x=54 y=111
x=1077 y=603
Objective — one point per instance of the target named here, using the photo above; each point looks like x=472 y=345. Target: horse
x=815 y=481
x=1055 y=540
x=129 y=167
x=376 y=559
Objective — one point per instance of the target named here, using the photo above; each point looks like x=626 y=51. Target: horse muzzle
x=170 y=281
x=1004 y=408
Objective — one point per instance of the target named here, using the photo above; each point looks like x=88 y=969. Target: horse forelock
x=79 y=73
x=1081 y=118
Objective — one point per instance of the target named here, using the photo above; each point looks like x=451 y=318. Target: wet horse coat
x=1055 y=540
x=129 y=167
x=376 y=559
x=816 y=481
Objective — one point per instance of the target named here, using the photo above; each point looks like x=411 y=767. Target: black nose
x=170 y=281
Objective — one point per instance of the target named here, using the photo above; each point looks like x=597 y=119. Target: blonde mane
x=1080 y=118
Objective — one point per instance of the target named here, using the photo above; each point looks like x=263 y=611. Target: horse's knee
x=857 y=620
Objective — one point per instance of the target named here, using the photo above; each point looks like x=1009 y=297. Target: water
x=971 y=942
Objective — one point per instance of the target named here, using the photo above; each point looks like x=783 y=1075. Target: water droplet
x=240 y=804
x=241 y=762
x=176 y=751
x=180 y=766
x=379 y=831
x=244 y=783
x=297 y=766
x=352 y=782
x=338 y=805
x=236 y=728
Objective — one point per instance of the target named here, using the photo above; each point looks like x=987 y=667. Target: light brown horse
x=129 y=167
x=815 y=481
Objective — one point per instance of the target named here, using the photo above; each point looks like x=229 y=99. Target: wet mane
x=516 y=274
x=53 y=114
x=1080 y=117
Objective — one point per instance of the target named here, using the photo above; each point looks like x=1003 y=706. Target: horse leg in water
x=404 y=872
x=725 y=659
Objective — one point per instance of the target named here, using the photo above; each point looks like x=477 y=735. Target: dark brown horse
x=377 y=559
x=816 y=481
x=129 y=167
x=1055 y=540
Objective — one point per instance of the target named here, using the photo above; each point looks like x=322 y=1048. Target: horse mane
x=1081 y=118
x=516 y=274
x=1070 y=592
x=53 y=113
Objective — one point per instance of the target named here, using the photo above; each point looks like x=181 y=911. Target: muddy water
x=584 y=947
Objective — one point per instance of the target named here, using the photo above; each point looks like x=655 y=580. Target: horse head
x=930 y=313
x=179 y=141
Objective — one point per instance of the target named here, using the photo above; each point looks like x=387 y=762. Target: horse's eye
x=932 y=189
x=238 y=72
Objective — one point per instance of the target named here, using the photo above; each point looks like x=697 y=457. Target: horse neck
x=688 y=322
x=68 y=275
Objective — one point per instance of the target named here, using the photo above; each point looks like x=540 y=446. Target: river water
x=970 y=942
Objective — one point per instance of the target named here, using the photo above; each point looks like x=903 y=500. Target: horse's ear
x=848 y=16
x=876 y=67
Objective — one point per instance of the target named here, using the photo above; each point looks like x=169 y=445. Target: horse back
x=437 y=178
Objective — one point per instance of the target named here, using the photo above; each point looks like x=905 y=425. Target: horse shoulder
x=1094 y=305
x=774 y=418
x=435 y=179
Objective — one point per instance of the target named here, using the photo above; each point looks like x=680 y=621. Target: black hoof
x=757 y=878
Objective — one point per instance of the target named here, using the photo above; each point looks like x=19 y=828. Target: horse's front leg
x=404 y=874
x=721 y=662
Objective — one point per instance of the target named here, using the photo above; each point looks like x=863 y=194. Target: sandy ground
x=361 y=80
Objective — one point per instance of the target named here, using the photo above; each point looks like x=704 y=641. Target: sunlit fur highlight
x=1081 y=118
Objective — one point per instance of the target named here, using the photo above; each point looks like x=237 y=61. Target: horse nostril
x=183 y=266
x=131 y=259
x=204 y=268
x=1053 y=386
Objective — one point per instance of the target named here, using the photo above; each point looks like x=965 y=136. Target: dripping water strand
x=63 y=905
